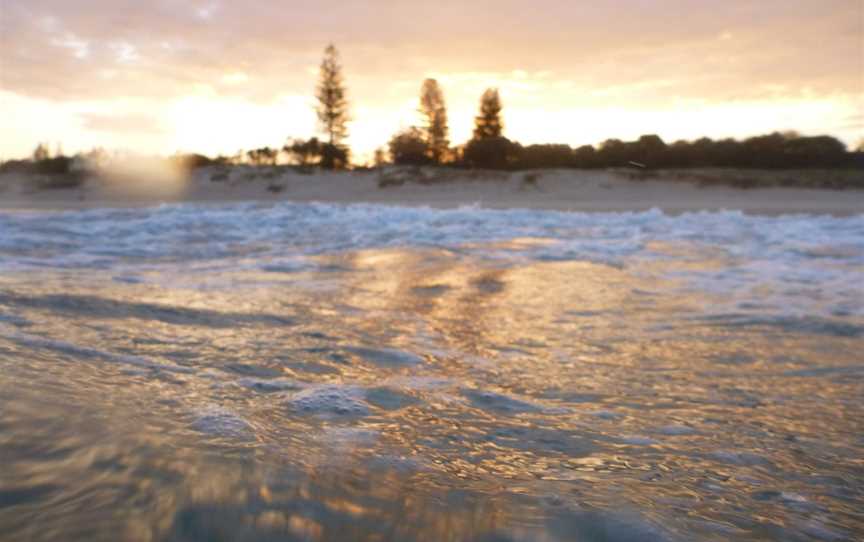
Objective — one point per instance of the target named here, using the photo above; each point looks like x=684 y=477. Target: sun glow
x=215 y=125
x=212 y=123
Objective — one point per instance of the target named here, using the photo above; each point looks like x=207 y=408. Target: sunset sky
x=216 y=76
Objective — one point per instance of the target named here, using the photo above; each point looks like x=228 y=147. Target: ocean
x=363 y=372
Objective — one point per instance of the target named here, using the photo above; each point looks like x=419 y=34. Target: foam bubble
x=221 y=422
x=330 y=401
x=791 y=251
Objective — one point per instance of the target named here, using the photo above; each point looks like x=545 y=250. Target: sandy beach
x=562 y=190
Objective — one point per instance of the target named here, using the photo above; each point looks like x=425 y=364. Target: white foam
x=330 y=401
x=222 y=422
x=789 y=252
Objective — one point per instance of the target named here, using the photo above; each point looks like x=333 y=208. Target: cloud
x=124 y=52
x=207 y=11
x=122 y=123
x=559 y=55
x=79 y=48
x=783 y=42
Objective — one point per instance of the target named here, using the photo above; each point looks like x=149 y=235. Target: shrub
x=490 y=153
x=53 y=166
x=409 y=148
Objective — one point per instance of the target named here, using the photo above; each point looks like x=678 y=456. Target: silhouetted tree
x=613 y=153
x=332 y=109
x=585 y=157
x=271 y=156
x=544 y=156
x=822 y=150
x=649 y=150
x=722 y=153
x=488 y=123
x=263 y=156
x=334 y=156
x=775 y=150
x=764 y=150
x=490 y=152
x=305 y=153
x=58 y=165
x=409 y=147
x=253 y=156
x=488 y=148
x=434 y=111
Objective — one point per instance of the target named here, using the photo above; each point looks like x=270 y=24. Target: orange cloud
x=567 y=71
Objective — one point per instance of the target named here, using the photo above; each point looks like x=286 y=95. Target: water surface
x=321 y=372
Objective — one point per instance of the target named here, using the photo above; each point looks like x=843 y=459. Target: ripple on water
x=497 y=402
x=264 y=385
x=739 y=458
x=312 y=367
x=820 y=531
x=222 y=422
x=77 y=351
x=389 y=398
x=637 y=440
x=606 y=415
x=248 y=369
x=15 y=320
x=386 y=357
x=434 y=290
x=346 y=438
x=542 y=440
x=676 y=430
x=15 y=496
x=606 y=527
x=330 y=401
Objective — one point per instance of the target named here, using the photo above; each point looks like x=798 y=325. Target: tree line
x=488 y=148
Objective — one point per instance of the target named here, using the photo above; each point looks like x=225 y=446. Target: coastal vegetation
x=428 y=144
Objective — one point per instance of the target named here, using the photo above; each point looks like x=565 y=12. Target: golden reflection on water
x=538 y=400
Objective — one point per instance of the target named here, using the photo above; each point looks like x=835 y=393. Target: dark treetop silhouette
x=333 y=110
x=434 y=112
x=489 y=148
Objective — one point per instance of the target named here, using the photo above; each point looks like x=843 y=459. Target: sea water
x=325 y=372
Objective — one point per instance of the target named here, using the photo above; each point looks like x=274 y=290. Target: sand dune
x=566 y=190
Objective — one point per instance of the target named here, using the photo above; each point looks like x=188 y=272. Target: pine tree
x=433 y=108
x=332 y=109
x=489 y=148
x=488 y=123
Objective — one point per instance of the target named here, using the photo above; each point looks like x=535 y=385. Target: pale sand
x=563 y=190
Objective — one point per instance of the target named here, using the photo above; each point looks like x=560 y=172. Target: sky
x=217 y=76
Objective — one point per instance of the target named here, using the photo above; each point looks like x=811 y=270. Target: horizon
x=213 y=78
